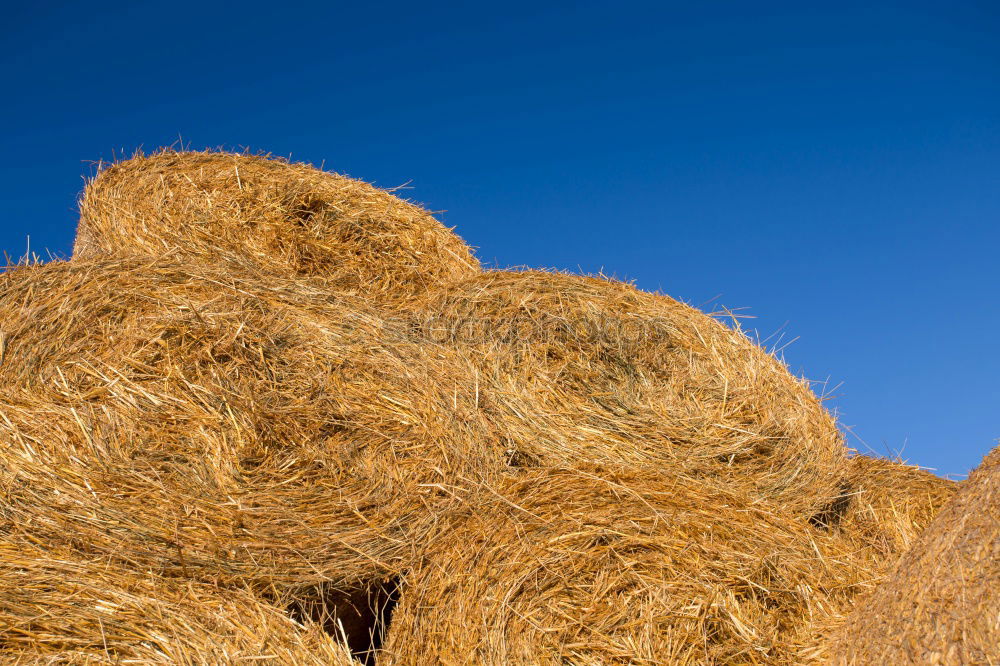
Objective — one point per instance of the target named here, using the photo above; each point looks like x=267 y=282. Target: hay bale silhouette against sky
x=286 y=218
x=828 y=170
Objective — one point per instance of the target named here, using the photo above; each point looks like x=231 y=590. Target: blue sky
x=831 y=170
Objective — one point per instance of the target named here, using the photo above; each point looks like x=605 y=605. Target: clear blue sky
x=831 y=167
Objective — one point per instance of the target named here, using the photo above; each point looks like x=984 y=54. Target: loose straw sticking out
x=57 y=606
x=941 y=604
x=285 y=218
x=611 y=374
x=603 y=566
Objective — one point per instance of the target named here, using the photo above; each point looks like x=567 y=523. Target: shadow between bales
x=360 y=617
x=833 y=514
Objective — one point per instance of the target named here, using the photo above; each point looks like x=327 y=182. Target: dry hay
x=286 y=218
x=886 y=504
x=58 y=607
x=602 y=566
x=235 y=423
x=190 y=421
x=593 y=369
x=317 y=551
x=941 y=604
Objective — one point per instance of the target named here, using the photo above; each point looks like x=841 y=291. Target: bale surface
x=887 y=504
x=941 y=604
x=596 y=370
x=288 y=219
x=58 y=607
x=602 y=566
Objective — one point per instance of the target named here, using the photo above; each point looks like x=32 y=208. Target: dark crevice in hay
x=520 y=459
x=360 y=616
x=834 y=513
x=334 y=427
x=307 y=210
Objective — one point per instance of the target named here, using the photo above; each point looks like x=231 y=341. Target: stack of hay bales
x=941 y=604
x=281 y=395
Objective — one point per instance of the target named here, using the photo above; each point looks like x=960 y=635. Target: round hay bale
x=595 y=370
x=191 y=421
x=287 y=218
x=606 y=566
x=941 y=604
x=57 y=607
